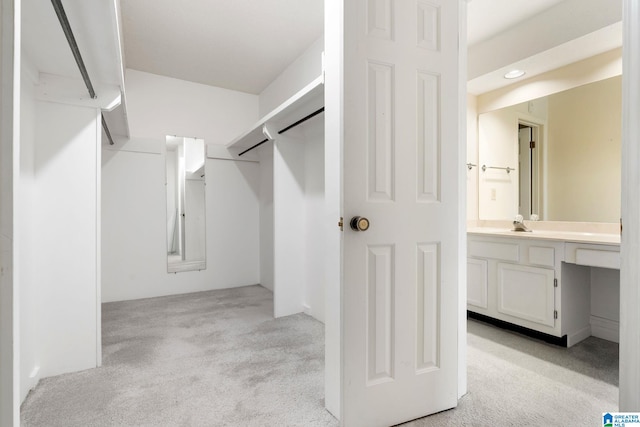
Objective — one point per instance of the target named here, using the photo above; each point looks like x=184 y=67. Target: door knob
x=359 y=223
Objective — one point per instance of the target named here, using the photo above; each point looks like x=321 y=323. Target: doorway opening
x=529 y=169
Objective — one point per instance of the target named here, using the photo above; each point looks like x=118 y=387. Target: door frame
x=539 y=180
x=629 y=383
x=10 y=61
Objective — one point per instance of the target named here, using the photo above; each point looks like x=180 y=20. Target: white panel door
x=527 y=293
x=477 y=282
x=401 y=171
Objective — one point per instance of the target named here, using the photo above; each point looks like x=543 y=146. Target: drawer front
x=542 y=256
x=597 y=258
x=500 y=251
x=526 y=293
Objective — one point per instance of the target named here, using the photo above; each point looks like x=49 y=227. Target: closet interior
x=287 y=145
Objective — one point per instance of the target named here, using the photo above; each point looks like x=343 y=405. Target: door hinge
x=341 y=223
x=555 y=283
x=555 y=314
x=532 y=144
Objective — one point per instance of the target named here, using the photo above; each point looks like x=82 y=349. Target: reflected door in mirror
x=186 y=215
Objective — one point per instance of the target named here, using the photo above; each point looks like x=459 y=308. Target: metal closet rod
x=291 y=126
x=66 y=28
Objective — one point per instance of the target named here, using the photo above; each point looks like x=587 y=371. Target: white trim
x=221 y=152
x=579 y=335
x=334 y=133
x=10 y=62
x=98 y=238
x=73 y=91
x=462 y=199
x=629 y=387
x=136 y=145
x=604 y=328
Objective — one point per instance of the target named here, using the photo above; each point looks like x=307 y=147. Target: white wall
x=299 y=249
x=134 y=258
x=171 y=159
x=299 y=176
x=158 y=106
x=266 y=216
x=66 y=226
x=26 y=193
x=292 y=214
x=315 y=216
x=289 y=225
x=296 y=76
x=605 y=303
x=195 y=219
x=133 y=196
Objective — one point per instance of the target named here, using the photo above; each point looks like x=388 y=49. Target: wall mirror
x=185 y=184
x=556 y=157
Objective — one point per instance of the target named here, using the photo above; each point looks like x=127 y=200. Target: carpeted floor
x=514 y=380
x=218 y=358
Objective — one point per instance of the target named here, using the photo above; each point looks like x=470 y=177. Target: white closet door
x=401 y=171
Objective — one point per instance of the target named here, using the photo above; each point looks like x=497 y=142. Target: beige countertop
x=595 y=233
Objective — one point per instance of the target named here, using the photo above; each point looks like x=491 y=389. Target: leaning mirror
x=185 y=184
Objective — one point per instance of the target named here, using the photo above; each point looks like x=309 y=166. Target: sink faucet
x=518 y=224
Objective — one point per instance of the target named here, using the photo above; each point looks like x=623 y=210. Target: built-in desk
x=539 y=280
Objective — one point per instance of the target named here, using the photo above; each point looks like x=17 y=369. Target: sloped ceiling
x=234 y=44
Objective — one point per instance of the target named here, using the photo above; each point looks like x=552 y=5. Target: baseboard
x=560 y=341
x=31 y=382
x=306 y=309
x=604 y=328
x=576 y=337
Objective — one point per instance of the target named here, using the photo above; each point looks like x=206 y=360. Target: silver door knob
x=359 y=223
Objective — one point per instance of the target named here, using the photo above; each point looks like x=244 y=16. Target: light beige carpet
x=218 y=358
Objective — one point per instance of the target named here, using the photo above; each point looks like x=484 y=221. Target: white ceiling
x=244 y=44
x=235 y=44
x=490 y=17
x=536 y=36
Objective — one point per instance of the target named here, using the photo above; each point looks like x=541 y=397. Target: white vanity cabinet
x=516 y=281
x=527 y=293
x=564 y=284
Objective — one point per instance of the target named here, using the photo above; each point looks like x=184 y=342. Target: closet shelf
x=307 y=101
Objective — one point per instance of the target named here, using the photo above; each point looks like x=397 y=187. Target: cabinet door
x=526 y=293
x=477 y=282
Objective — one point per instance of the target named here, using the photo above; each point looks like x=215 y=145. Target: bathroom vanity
x=539 y=280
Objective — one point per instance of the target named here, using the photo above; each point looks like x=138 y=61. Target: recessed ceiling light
x=514 y=74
